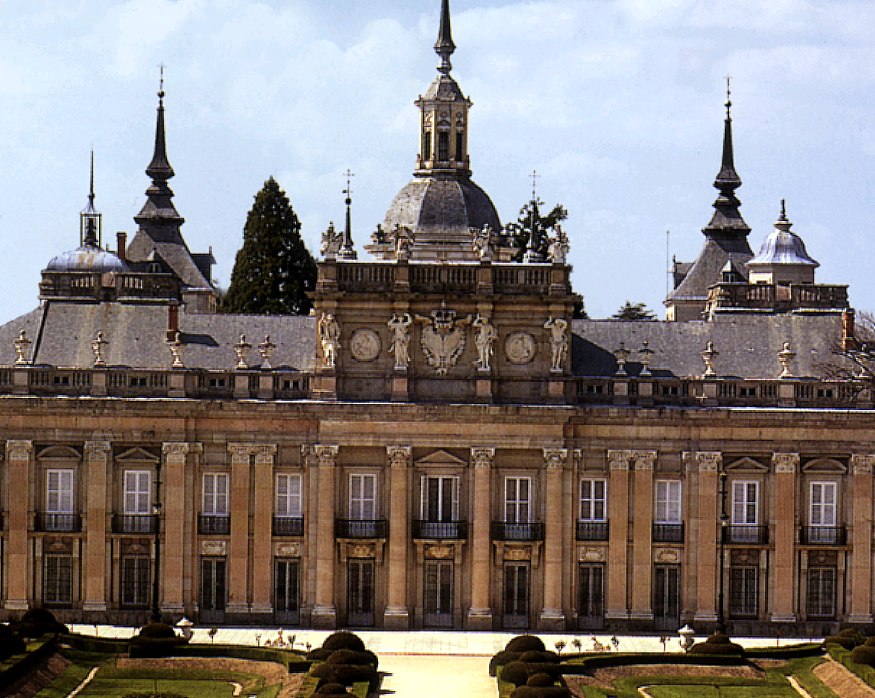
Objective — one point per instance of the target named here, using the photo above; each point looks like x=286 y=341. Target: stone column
x=705 y=524
x=262 y=530
x=97 y=455
x=786 y=465
x=552 y=616
x=397 y=616
x=19 y=464
x=642 y=536
x=173 y=552
x=324 y=613
x=480 y=613
x=238 y=548
x=618 y=516
x=860 y=574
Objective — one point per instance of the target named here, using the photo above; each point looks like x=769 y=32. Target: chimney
x=848 y=340
x=172 y=321
x=121 y=242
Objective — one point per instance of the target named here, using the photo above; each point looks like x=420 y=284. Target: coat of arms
x=443 y=338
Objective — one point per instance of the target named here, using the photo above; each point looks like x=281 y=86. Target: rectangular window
x=743 y=591
x=668 y=502
x=287 y=579
x=517 y=494
x=57 y=580
x=59 y=491
x=134 y=573
x=138 y=488
x=460 y=140
x=593 y=500
x=745 y=503
x=443 y=146
x=439 y=498
x=821 y=592
x=823 y=504
x=426 y=146
x=288 y=495
x=215 y=494
x=362 y=496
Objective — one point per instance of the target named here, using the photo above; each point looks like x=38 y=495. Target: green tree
x=633 y=311
x=530 y=218
x=274 y=269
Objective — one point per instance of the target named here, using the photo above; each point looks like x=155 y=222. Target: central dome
x=88 y=258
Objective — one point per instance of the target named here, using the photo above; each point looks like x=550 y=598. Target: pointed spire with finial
x=159 y=168
x=89 y=218
x=347 y=251
x=444 y=46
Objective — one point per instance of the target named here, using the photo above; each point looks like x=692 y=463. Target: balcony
x=746 y=535
x=668 y=533
x=133 y=523
x=592 y=530
x=441 y=530
x=501 y=530
x=823 y=535
x=58 y=522
x=288 y=526
x=213 y=524
x=361 y=528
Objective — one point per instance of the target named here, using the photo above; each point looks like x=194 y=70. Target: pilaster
x=786 y=465
x=860 y=574
x=618 y=536
x=177 y=546
x=552 y=616
x=707 y=463
x=324 y=614
x=262 y=529
x=642 y=536
x=97 y=455
x=238 y=548
x=19 y=467
x=480 y=613
x=397 y=616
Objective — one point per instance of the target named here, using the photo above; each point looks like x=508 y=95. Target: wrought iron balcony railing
x=668 y=533
x=56 y=521
x=502 y=530
x=441 y=530
x=288 y=526
x=361 y=528
x=745 y=534
x=592 y=530
x=213 y=524
x=823 y=535
x=133 y=523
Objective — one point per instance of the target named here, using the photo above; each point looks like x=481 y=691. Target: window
x=59 y=491
x=426 y=146
x=439 y=498
x=58 y=579
x=215 y=494
x=743 y=591
x=517 y=492
x=823 y=504
x=460 y=150
x=668 y=502
x=745 y=499
x=821 y=592
x=138 y=486
x=362 y=496
x=134 y=574
x=593 y=500
x=443 y=146
x=288 y=495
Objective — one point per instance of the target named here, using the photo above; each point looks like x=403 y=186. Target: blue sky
x=617 y=104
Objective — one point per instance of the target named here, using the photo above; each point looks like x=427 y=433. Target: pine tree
x=633 y=311
x=530 y=218
x=274 y=269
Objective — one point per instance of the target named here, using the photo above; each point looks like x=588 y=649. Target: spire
x=444 y=46
x=89 y=218
x=346 y=250
x=727 y=227
x=159 y=168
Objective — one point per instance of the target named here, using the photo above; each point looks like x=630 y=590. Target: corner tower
x=439 y=213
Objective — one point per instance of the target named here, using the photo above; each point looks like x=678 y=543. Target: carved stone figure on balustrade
x=403 y=242
x=485 y=341
x=399 y=347
x=484 y=242
x=559 y=248
x=331 y=241
x=329 y=338
x=558 y=328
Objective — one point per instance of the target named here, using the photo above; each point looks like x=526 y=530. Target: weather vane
x=161 y=81
x=534 y=177
x=348 y=191
x=728 y=95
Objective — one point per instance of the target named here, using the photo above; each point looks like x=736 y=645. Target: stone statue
x=97 y=347
x=378 y=237
x=399 y=326
x=329 y=338
x=485 y=341
x=331 y=241
x=403 y=242
x=558 y=342
x=559 y=247
x=484 y=243
x=443 y=338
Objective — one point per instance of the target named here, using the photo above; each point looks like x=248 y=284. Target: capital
x=96 y=450
x=326 y=456
x=555 y=458
x=399 y=456
x=19 y=450
x=175 y=452
x=644 y=460
x=482 y=457
x=264 y=454
x=709 y=461
x=785 y=462
x=862 y=463
x=619 y=460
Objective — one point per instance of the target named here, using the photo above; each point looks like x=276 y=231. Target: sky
x=618 y=105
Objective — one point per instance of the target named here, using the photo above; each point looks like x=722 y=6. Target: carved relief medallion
x=364 y=345
x=520 y=348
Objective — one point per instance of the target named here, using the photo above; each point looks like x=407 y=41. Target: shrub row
x=527 y=665
x=341 y=662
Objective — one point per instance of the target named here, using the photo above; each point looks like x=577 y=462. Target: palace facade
x=441 y=444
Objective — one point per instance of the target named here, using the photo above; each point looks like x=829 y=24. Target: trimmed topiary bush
x=157 y=630
x=864 y=654
x=549 y=668
x=333 y=690
x=848 y=643
x=10 y=643
x=535 y=656
x=541 y=680
x=343 y=640
x=352 y=657
x=502 y=658
x=541 y=692
x=515 y=672
x=155 y=640
x=38 y=622
x=718 y=643
x=346 y=674
x=525 y=643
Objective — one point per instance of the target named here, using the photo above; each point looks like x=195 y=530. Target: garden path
x=432 y=676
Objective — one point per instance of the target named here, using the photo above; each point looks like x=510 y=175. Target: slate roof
x=175 y=254
x=706 y=271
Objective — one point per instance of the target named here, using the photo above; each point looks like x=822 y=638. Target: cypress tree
x=274 y=269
